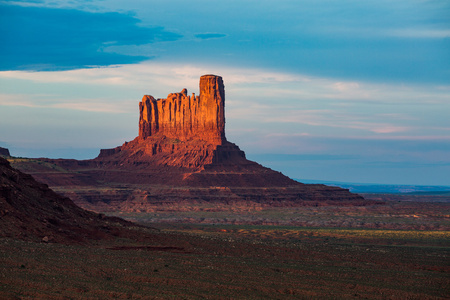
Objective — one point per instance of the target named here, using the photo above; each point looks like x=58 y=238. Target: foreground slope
x=181 y=156
x=29 y=210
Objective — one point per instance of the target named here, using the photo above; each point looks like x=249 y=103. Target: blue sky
x=355 y=91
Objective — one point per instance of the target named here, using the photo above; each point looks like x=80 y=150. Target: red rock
x=181 y=131
x=181 y=156
x=186 y=118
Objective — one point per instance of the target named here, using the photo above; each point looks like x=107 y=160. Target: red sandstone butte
x=184 y=117
x=181 y=130
x=181 y=158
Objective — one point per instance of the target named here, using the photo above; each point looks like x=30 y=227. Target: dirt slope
x=30 y=210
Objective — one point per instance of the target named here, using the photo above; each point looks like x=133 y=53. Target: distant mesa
x=181 y=159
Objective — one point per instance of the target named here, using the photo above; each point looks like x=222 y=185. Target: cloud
x=299 y=157
x=95 y=106
x=166 y=77
x=207 y=36
x=163 y=75
x=261 y=97
x=345 y=86
x=362 y=40
x=420 y=33
x=24 y=2
x=389 y=128
x=403 y=137
x=41 y=38
x=336 y=119
x=80 y=104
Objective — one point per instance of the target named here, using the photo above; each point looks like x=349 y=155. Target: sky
x=349 y=91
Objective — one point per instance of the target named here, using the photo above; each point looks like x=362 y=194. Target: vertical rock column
x=148 y=117
x=212 y=104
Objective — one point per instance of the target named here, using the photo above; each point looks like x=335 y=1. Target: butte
x=180 y=159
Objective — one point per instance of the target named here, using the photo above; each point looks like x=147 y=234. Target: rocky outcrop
x=181 y=131
x=185 y=118
x=4 y=152
x=181 y=156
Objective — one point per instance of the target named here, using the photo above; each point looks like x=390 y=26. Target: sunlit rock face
x=184 y=117
x=181 y=130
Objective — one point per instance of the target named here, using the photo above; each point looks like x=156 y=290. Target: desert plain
x=398 y=250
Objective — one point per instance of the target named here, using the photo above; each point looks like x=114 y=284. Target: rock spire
x=184 y=117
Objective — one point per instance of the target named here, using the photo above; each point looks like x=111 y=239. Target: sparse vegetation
x=234 y=261
x=246 y=255
x=29 y=165
x=394 y=215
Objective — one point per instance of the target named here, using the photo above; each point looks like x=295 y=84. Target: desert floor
x=395 y=251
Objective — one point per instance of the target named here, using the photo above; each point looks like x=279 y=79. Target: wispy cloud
x=403 y=137
x=91 y=106
x=81 y=104
x=252 y=94
x=420 y=33
x=152 y=75
x=207 y=36
x=330 y=118
x=171 y=75
x=366 y=137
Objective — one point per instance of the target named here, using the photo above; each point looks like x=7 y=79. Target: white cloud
x=15 y=100
x=81 y=104
x=167 y=77
x=333 y=119
x=345 y=86
x=253 y=95
x=420 y=33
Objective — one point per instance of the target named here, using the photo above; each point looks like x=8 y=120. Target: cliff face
x=184 y=117
x=181 y=130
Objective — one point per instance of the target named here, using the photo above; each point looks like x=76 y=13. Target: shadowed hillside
x=29 y=210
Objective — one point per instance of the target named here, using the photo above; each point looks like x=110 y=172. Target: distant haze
x=349 y=91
